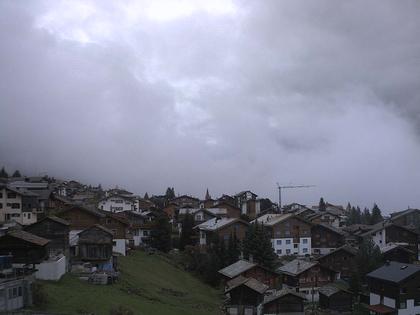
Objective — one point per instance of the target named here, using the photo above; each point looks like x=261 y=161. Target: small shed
x=335 y=297
x=284 y=301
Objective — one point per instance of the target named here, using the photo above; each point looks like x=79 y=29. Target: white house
x=116 y=203
x=290 y=234
x=18 y=205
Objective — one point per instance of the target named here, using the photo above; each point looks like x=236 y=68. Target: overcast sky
x=229 y=95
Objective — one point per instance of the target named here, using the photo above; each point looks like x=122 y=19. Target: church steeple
x=207 y=195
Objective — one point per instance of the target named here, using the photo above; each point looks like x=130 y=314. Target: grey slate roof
x=394 y=272
x=296 y=267
x=347 y=248
x=248 y=282
x=236 y=268
x=278 y=294
x=331 y=289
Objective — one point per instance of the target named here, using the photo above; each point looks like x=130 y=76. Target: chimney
x=251 y=259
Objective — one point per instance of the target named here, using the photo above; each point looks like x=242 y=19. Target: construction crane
x=288 y=187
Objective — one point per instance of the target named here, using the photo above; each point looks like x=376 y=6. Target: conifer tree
x=322 y=205
x=3 y=173
x=161 y=236
x=16 y=174
x=257 y=244
x=366 y=218
x=376 y=216
x=187 y=232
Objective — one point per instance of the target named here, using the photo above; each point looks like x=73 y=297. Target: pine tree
x=322 y=205
x=146 y=196
x=170 y=193
x=3 y=173
x=257 y=244
x=376 y=216
x=187 y=232
x=368 y=257
x=161 y=236
x=16 y=174
x=358 y=216
x=366 y=218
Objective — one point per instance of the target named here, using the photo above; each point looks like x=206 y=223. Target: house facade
x=394 y=289
x=18 y=205
x=290 y=234
x=223 y=228
x=117 y=203
x=325 y=238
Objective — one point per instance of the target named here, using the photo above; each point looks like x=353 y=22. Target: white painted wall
x=120 y=246
x=117 y=204
x=51 y=269
x=379 y=238
x=374 y=299
x=410 y=310
x=285 y=246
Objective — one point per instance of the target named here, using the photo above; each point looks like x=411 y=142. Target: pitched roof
x=332 y=229
x=331 y=289
x=296 y=267
x=383 y=225
x=236 y=268
x=280 y=293
x=28 y=237
x=86 y=209
x=271 y=219
x=394 y=272
x=53 y=218
x=98 y=226
x=215 y=224
x=391 y=246
x=251 y=283
x=347 y=248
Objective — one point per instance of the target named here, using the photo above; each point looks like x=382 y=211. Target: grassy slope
x=148 y=285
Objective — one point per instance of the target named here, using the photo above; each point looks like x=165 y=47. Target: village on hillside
x=265 y=259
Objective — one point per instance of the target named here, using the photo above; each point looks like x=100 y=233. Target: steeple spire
x=207 y=195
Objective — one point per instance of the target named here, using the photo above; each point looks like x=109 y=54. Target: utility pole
x=280 y=187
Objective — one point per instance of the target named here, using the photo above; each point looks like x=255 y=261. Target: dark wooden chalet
x=223 y=228
x=231 y=210
x=399 y=253
x=394 y=289
x=245 y=294
x=409 y=218
x=81 y=218
x=325 y=238
x=95 y=245
x=285 y=301
x=54 y=229
x=25 y=247
x=336 y=298
x=306 y=276
x=250 y=270
x=341 y=260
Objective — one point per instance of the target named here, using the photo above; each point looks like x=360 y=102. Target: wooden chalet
x=81 y=218
x=342 y=260
x=56 y=230
x=325 y=238
x=285 y=301
x=95 y=245
x=336 y=297
x=223 y=228
x=25 y=247
x=306 y=276
x=394 y=289
x=250 y=270
x=231 y=210
x=245 y=294
x=399 y=253
x=409 y=218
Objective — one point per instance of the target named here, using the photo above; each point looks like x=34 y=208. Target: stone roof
x=217 y=223
x=28 y=237
x=251 y=283
x=237 y=268
x=296 y=267
x=280 y=293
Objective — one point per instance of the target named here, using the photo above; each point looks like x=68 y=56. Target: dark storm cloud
x=229 y=98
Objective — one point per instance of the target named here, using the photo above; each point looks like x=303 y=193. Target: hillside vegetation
x=148 y=285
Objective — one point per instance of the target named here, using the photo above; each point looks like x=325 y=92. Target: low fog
x=216 y=94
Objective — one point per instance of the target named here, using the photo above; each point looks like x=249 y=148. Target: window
x=146 y=233
x=1 y=205
x=305 y=241
x=29 y=216
x=114 y=243
x=403 y=290
x=11 y=195
x=278 y=242
x=278 y=252
x=305 y=250
x=1 y=195
x=108 y=221
x=403 y=304
x=20 y=291
x=287 y=241
x=15 y=205
x=287 y=233
x=295 y=245
x=288 y=251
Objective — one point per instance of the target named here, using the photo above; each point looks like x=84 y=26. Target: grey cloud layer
x=325 y=93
